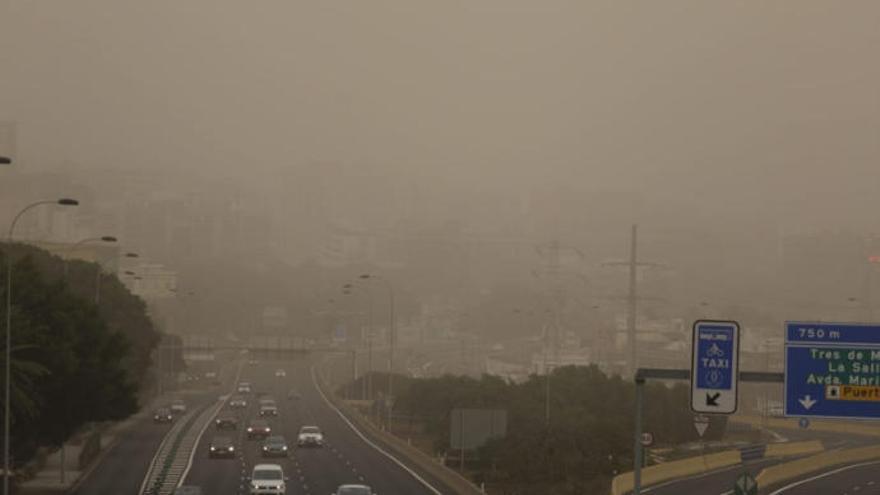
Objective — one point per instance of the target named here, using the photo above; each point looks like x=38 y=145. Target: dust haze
x=449 y=143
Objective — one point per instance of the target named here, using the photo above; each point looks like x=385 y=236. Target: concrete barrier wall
x=779 y=473
x=788 y=449
x=871 y=429
x=652 y=475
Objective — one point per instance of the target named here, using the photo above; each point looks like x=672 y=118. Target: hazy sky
x=753 y=107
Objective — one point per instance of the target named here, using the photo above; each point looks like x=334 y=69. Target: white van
x=267 y=479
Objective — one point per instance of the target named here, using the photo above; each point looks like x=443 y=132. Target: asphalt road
x=721 y=481
x=346 y=458
x=862 y=479
x=122 y=469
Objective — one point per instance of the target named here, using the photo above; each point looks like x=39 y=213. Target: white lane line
x=369 y=442
x=823 y=475
x=208 y=423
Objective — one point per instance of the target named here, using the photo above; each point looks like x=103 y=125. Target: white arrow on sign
x=807 y=402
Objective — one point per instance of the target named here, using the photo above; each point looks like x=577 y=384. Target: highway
x=861 y=479
x=346 y=458
x=721 y=481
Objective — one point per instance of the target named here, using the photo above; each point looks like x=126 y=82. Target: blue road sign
x=715 y=367
x=832 y=370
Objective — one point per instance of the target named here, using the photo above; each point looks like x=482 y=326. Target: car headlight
x=265 y=448
x=268 y=430
x=212 y=448
x=250 y=430
x=231 y=448
x=284 y=448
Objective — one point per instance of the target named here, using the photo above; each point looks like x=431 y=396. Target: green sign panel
x=745 y=485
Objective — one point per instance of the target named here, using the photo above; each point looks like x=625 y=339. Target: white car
x=244 y=388
x=268 y=410
x=178 y=406
x=310 y=436
x=238 y=402
x=353 y=490
x=267 y=479
x=280 y=373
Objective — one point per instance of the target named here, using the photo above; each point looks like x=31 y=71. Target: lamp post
x=99 y=269
x=8 y=371
x=368 y=380
x=106 y=238
x=391 y=340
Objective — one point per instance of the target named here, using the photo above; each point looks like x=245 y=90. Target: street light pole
x=99 y=270
x=8 y=371
x=106 y=238
x=392 y=338
x=367 y=387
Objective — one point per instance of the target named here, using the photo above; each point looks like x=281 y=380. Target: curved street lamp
x=105 y=238
x=348 y=290
x=8 y=411
x=391 y=340
x=99 y=269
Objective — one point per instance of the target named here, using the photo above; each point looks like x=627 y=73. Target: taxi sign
x=715 y=367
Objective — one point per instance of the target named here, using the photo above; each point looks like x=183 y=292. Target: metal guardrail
x=170 y=463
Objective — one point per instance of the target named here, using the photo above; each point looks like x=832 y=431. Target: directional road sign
x=745 y=484
x=715 y=367
x=832 y=370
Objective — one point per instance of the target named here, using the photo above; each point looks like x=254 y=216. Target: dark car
x=274 y=446
x=354 y=490
x=258 y=429
x=163 y=415
x=226 y=422
x=221 y=447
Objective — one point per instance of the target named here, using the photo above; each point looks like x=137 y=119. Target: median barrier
x=788 y=449
x=779 y=473
x=849 y=427
x=651 y=475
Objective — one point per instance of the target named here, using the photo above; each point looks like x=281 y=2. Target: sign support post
x=643 y=374
x=637 y=449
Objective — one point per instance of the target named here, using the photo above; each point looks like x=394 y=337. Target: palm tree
x=25 y=401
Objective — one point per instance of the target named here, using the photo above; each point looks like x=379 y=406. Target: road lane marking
x=823 y=475
x=368 y=441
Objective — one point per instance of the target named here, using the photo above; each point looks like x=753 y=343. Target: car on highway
x=221 y=447
x=258 y=429
x=353 y=490
x=226 y=421
x=293 y=395
x=244 y=388
x=267 y=479
x=268 y=410
x=253 y=362
x=310 y=436
x=163 y=415
x=178 y=406
x=274 y=446
x=280 y=373
x=187 y=490
x=238 y=402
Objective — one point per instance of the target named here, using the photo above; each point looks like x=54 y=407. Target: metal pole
x=392 y=339
x=98 y=284
x=8 y=370
x=7 y=423
x=632 y=300
x=637 y=445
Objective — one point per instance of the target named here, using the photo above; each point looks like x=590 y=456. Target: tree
x=69 y=366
